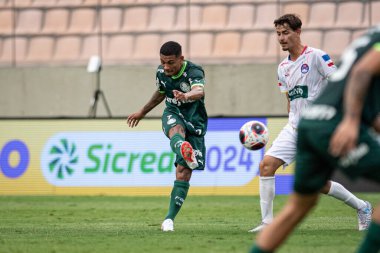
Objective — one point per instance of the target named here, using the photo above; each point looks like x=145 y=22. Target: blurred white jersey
x=304 y=79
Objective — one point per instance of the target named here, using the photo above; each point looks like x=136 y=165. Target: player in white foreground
x=301 y=76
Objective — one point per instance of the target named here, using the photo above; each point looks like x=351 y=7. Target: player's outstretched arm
x=195 y=93
x=345 y=136
x=134 y=119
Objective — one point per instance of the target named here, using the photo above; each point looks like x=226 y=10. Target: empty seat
x=21 y=3
x=148 y=1
x=91 y=2
x=266 y=13
x=146 y=46
x=322 y=15
x=43 y=3
x=28 y=21
x=301 y=9
x=111 y=19
x=214 y=16
x=349 y=14
x=335 y=41
x=274 y=50
x=312 y=38
x=241 y=16
x=56 y=21
x=69 y=2
x=184 y=21
x=5 y=3
x=67 y=48
x=6 y=21
x=121 y=1
x=201 y=44
x=254 y=44
x=226 y=44
x=174 y=1
x=6 y=50
x=162 y=17
x=375 y=13
x=135 y=18
x=82 y=20
x=91 y=46
x=13 y=50
x=40 y=49
x=119 y=47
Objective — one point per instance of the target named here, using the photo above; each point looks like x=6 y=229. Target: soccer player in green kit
x=339 y=131
x=184 y=121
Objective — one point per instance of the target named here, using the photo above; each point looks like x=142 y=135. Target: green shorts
x=171 y=119
x=315 y=166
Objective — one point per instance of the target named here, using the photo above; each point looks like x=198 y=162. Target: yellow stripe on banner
x=106 y=157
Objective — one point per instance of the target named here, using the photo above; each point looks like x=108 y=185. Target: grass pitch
x=132 y=224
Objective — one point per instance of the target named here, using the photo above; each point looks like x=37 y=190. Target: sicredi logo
x=111 y=159
x=18 y=148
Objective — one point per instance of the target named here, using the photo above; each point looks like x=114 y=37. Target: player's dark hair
x=292 y=20
x=171 y=48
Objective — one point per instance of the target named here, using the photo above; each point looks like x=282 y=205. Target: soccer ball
x=254 y=135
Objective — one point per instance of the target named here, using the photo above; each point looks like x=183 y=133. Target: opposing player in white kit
x=301 y=76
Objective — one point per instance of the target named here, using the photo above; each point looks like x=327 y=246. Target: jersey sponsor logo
x=304 y=68
x=177 y=102
x=328 y=60
x=185 y=87
x=354 y=155
x=319 y=112
x=299 y=91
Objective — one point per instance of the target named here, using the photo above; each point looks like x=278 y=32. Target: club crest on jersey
x=304 y=68
x=185 y=87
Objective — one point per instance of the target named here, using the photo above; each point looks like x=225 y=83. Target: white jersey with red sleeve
x=304 y=79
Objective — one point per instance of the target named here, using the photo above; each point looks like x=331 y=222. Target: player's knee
x=177 y=129
x=267 y=168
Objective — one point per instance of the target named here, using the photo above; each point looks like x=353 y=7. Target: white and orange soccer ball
x=254 y=135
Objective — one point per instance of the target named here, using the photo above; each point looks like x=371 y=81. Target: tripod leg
x=94 y=103
x=106 y=104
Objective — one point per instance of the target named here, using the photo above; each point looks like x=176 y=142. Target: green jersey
x=193 y=111
x=333 y=94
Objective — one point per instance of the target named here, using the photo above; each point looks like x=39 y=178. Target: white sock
x=267 y=192
x=339 y=192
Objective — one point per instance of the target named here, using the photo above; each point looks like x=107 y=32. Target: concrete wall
x=231 y=90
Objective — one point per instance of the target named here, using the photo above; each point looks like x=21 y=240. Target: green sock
x=371 y=242
x=177 y=198
x=175 y=143
x=256 y=249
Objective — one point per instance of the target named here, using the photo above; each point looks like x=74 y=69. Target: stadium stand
x=132 y=30
x=56 y=21
x=6 y=21
x=322 y=15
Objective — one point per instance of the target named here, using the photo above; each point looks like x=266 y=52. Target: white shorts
x=284 y=146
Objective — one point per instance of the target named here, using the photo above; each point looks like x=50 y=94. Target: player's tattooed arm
x=155 y=100
x=134 y=119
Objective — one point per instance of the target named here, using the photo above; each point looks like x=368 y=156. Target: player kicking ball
x=184 y=120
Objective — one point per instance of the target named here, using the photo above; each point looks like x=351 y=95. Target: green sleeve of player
x=197 y=77
x=159 y=85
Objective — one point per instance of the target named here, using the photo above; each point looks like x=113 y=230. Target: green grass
x=132 y=224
